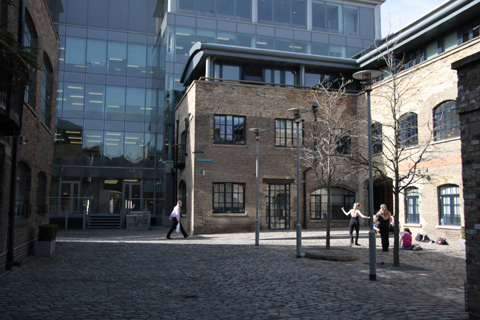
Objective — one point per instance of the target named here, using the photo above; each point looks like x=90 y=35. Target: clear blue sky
x=398 y=13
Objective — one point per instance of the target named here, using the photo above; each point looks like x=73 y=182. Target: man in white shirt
x=175 y=218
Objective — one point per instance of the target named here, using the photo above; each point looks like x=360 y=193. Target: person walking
x=384 y=216
x=175 y=218
x=354 y=222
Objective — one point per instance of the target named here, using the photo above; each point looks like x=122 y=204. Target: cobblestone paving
x=117 y=274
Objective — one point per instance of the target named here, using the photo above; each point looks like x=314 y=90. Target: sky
x=398 y=13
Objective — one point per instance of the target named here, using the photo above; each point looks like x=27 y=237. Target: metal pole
x=12 y=206
x=371 y=233
x=256 y=174
x=299 y=232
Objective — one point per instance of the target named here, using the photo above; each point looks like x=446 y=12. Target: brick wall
x=433 y=83
x=261 y=105
x=468 y=70
x=37 y=154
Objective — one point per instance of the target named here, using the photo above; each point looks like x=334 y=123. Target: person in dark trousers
x=175 y=218
x=384 y=216
x=354 y=221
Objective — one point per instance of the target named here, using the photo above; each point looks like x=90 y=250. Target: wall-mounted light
x=202 y=172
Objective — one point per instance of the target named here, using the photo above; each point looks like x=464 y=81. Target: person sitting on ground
x=406 y=239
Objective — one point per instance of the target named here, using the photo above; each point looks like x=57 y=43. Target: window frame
x=47 y=93
x=377 y=137
x=412 y=216
x=449 y=126
x=234 y=209
x=316 y=202
x=293 y=134
x=408 y=130
x=237 y=138
x=454 y=206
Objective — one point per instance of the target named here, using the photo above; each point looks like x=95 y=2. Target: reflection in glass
x=246 y=40
x=92 y=145
x=96 y=56
x=113 y=144
x=299 y=14
x=117 y=58
x=283 y=45
x=185 y=38
x=207 y=36
x=137 y=60
x=281 y=12
x=186 y=6
x=95 y=99
x=73 y=100
x=75 y=54
x=265 y=8
x=206 y=8
x=135 y=150
x=334 y=16
x=244 y=10
x=135 y=110
x=265 y=43
x=226 y=38
x=318 y=14
x=226 y=9
x=115 y=101
x=320 y=49
x=350 y=18
x=302 y=47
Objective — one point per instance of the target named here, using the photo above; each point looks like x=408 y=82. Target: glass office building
x=119 y=81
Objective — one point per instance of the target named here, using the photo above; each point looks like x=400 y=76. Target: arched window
x=30 y=39
x=340 y=197
x=449 y=203
x=446 y=121
x=411 y=205
x=377 y=145
x=41 y=207
x=22 y=195
x=408 y=130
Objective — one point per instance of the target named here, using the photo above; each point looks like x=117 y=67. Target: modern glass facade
x=120 y=67
x=110 y=130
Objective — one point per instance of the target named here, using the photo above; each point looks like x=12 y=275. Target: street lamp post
x=366 y=76
x=296 y=117
x=257 y=138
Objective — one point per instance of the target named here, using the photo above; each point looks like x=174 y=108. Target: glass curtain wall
x=107 y=135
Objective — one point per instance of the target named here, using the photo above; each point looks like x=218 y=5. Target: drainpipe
x=314 y=109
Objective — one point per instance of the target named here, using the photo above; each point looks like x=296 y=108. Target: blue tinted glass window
x=97 y=13
x=281 y=12
x=319 y=15
x=207 y=36
x=246 y=40
x=94 y=101
x=137 y=60
x=118 y=15
x=186 y=6
x=152 y=62
x=226 y=9
x=299 y=14
x=333 y=17
x=59 y=99
x=75 y=54
x=367 y=27
x=115 y=101
x=244 y=10
x=134 y=146
x=265 y=43
x=135 y=109
x=184 y=39
x=92 y=144
x=312 y=79
x=117 y=58
x=96 y=56
x=265 y=11
x=206 y=8
x=301 y=46
x=73 y=100
x=138 y=15
x=337 y=51
x=283 y=45
x=77 y=12
x=446 y=121
x=350 y=20
x=320 y=49
x=226 y=38
x=113 y=144
x=231 y=72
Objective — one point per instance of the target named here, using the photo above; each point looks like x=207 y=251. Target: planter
x=45 y=248
x=462 y=244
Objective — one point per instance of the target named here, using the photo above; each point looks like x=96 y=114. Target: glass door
x=69 y=196
x=278 y=206
x=133 y=196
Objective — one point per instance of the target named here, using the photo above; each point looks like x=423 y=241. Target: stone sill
x=229 y=145
x=449 y=227
x=412 y=225
x=244 y=215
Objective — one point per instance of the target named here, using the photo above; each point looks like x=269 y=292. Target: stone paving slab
x=119 y=274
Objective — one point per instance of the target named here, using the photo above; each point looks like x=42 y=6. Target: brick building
x=433 y=203
x=34 y=134
x=468 y=70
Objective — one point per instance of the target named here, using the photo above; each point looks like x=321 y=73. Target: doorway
x=70 y=211
x=132 y=196
x=278 y=206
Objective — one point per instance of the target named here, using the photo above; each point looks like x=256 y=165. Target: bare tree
x=327 y=141
x=397 y=149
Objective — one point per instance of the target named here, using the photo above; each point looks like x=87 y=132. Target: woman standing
x=383 y=216
x=354 y=223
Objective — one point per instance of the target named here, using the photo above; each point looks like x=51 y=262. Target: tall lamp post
x=257 y=138
x=366 y=76
x=296 y=117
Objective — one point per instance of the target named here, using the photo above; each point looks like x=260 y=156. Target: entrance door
x=70 y=201
x=278 y=206
x=132 y=196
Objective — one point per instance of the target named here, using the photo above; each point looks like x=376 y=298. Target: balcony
x=180 y=154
